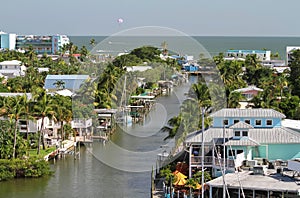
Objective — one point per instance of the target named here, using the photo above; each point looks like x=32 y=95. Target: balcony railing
x=211 y=161
x=81 y=123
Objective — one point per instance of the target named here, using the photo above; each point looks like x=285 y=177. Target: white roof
x=249 y=88
x=43 y=69
x=11 y=62
x=294 y=124
x=137 y=68
x=143 y=97
x=65 y=92
x=29 y=95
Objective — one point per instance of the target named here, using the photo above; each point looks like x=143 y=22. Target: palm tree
x=63 y=111
x=13 y=108
x=92 y=42
x=200 y=93
x=173 y=126
x=59 y=84
x=28 y=105
x=186 y=121
x=234 y=99
x=43 y=109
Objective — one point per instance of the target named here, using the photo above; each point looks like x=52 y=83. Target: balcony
x=210 y=161
x=81 y=123
x=53 y=125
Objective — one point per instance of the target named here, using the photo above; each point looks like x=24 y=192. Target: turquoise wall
x=277 y=151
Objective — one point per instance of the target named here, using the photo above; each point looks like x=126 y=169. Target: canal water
x=119 y=168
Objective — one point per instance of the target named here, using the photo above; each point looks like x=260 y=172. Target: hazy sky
x=193 y=17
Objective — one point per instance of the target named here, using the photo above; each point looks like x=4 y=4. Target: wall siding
x=218 y=122
x=277 y=151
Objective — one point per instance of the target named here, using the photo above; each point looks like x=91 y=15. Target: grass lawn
x=33 y=152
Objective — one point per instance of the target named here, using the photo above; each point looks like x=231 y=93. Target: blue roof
x=72 y=82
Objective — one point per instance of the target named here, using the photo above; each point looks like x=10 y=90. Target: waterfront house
x=242 y=137
x=82 y=126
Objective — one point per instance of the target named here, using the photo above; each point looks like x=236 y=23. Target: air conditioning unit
x=259 y=170
x=259 y=161
x=251 y=163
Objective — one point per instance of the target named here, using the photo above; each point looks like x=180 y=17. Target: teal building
x=243 y=137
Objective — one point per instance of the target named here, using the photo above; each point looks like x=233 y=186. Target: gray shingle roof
x=242 y=142
x=249 y=113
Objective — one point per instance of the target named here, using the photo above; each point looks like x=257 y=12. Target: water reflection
x=90 y=176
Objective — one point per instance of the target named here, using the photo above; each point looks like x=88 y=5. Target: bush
x=18 y=168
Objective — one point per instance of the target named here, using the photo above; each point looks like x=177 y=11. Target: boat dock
x=158 y=194
x=99 y=137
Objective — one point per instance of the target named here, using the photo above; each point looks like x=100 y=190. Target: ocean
x=194 y=46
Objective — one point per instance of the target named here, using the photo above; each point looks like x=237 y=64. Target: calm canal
x=118 y=168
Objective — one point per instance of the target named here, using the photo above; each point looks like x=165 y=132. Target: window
x=239 y=151
x=247 y=121
x=225 y=122
x=235 y=121
x=237 y=133
x=245 y=133
x=269 y=122
x=234 y=152
x=258 y=122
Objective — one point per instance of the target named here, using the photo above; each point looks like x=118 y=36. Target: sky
x=192 y=17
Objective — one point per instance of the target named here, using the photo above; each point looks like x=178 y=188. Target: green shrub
x=32 y=167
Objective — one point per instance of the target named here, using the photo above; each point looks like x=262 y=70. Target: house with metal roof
x=238 y=136
x=249 y=92
x=70 y=82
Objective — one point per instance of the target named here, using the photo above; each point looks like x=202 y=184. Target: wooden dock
x=99 y=137
x=82 y=139
x=199 y=72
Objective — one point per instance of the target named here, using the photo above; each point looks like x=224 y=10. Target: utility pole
x=224 y=160
x=202 y=153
